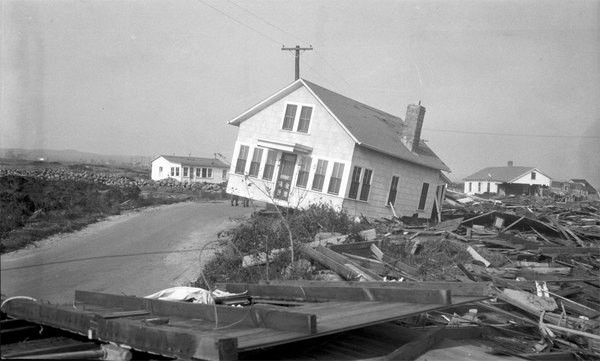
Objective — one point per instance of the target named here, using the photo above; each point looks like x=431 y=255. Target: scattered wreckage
x=503 y=279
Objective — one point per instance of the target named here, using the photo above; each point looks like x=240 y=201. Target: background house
x=189 y=169
x=507 y=180
x=306 y=144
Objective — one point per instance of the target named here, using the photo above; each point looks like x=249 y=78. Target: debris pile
x=542 y=258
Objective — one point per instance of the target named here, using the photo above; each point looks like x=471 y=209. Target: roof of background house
x=195 y=161
x=369 y=127
x=588 y=187
x=500 y=174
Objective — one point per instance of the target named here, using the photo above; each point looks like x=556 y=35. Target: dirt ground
x=136 y=253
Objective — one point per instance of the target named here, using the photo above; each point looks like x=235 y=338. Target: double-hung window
x=290 y=116
x=303 y=172
x=423 y=199
x=224 y=175
x=185 y=171
x=361 y=180
x=293 y=121
x=336 y=178
x=393 y=191
x=270 y=165
x=319 y=177
x=304 y=121
x=366 y=184
x=240 y=165
x=172 y=171
x=198 y=172
x=206 y=172
x=255 y=163
x=355 y=183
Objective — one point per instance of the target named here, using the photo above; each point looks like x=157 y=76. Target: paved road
x=137 y=253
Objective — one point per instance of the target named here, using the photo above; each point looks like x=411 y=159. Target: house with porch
x=508 y=180
x=189 y=169
x=306 y=144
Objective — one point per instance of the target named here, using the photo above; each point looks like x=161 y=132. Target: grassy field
x=40 y=199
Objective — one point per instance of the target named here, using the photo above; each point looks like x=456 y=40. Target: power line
x=267 y=22
x=297 y=38
x=241 y=23
x=512 y=134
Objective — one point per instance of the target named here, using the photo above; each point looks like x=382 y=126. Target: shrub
x=263 y=233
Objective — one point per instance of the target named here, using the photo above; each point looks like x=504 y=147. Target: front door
x=284 y=178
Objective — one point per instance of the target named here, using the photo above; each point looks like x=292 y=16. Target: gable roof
x=588 y=187
x=195 y=161
x=500 y=174
x=368 y=127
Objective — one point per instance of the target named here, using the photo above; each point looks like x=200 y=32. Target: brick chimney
x=510 y=163
x=413 y=124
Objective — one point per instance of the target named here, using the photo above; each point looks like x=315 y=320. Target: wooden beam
x=168 y=341
x=337 y=267
x=455 y=288
x=341 y=293
x=416 y=348
x=571 y=251
x=226 y=315
x=365 y=273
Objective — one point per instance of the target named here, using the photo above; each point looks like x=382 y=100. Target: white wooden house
x=189 y=169
x=306 y=144
x=511 y=179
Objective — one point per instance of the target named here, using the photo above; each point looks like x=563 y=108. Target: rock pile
x=110 y=179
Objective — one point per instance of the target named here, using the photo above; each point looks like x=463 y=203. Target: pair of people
x=235 y=200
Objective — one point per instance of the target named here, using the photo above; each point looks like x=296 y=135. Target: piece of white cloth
x=194 y=294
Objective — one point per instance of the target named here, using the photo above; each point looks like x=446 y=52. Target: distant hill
x=70 y=155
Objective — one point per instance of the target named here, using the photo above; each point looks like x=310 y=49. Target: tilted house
x=189 y=169
x=508 y=180
x=306 y=144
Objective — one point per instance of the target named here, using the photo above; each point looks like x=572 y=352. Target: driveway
x=136 y=253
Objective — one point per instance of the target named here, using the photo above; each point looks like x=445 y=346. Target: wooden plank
x=456 y=288
x=168 y=341
x=513 y=224
x=365 y=273
x=354 y=293
x=416 y=348
x=246 y=316
x=357 y=248
x=450 y=225
x=576 y=308
x=393 y=262
x=63 y=347
x=571 y=251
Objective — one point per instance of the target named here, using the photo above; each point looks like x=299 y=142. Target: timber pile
x=542 y=257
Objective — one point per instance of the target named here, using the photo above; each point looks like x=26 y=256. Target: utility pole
x=297 y=50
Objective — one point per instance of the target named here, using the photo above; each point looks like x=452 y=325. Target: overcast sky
x=501 y=80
